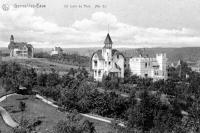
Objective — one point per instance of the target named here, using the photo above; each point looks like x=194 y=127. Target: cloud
x=27 y=26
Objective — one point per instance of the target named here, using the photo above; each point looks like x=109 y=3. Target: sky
x=131 y=23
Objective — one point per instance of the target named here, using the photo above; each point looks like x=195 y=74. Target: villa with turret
x=107 y=61
x=20 y=49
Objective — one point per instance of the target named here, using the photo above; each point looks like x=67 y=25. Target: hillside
x=190 y=54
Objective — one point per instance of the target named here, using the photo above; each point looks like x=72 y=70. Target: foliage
x=22 y=106
x=52 y=79
x=27 y=125
x=110 y=83
x=14 y=75
x=74 y=124
x=161 y=106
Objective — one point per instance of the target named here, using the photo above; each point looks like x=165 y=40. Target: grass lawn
x=3 y=92
x=37 y=109
x=3 y=127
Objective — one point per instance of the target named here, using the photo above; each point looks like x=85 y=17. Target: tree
x=110 y=83
x=72 y=72
x=42 y=79
x=27 y=78
x=74 y=124
x=52 y=79
x=142 y=115
x=127 y=75
x=65 y=80
x=88 y=127
x=19 y=130
x=22 y=106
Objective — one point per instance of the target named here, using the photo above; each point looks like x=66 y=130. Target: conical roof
x=108 y=40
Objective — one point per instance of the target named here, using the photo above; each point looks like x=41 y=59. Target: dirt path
x=5 y=115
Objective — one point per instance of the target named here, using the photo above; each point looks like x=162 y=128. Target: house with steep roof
x=107 y=61
x=20 y=49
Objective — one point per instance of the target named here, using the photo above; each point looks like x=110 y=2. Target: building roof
x=14 y=45
x=115 y=51
x=108 y=40
x=114 y=69
x=99 y=54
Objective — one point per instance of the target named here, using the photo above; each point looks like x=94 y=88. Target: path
x=7 y=118
x=95 y=117
x=5 y=115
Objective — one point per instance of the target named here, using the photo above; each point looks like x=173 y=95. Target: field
x=36 y=109
x=42 y=64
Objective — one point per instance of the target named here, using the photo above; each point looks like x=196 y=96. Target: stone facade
x=155 y=68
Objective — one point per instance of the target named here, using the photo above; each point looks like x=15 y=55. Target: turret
x=108 y=42
x=107 y=52
x=12 y=39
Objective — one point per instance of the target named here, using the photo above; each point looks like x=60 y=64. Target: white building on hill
x=107 y=61
x=56 y=51
x=155 y=68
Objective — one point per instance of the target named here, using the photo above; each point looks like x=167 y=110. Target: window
x=99 y=73
x=146 y=65
x=117 y=56
x=106 y=63
x=109 y=63
x=155 y=73
x=146 y=75
x=95 y=73
x=95 y=63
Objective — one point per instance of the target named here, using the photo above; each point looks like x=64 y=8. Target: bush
x=74 y=124
x=22 y=106
x=19 y=130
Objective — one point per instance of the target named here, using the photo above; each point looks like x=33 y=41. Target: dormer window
x=95 y=63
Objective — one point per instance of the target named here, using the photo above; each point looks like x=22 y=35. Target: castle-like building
x=107 y=61
x=20 y=49
x=155 y=68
